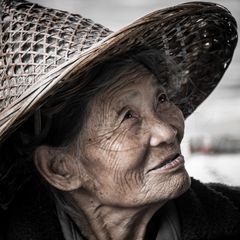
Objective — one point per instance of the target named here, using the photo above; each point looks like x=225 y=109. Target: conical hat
x=43 y=49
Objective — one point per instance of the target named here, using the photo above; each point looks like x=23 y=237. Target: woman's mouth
x=171 y=162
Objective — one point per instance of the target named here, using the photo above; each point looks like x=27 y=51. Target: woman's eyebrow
x=159 y=85
x=128 y=96
x=124 y=100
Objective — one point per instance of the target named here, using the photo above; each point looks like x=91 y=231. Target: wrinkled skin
x=130 y=128
x=107 y=173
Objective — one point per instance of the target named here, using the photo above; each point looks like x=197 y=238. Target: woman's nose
x=162 y=132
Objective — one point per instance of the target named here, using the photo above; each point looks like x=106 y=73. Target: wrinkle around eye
x=162 y=98
x=130 y=115
x=130 y=121
x=127 y=114
x=165 y=106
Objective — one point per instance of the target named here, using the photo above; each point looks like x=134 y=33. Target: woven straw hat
x=41 y=50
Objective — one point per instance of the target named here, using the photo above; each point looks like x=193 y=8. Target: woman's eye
x=162 y=98
x=129 y=115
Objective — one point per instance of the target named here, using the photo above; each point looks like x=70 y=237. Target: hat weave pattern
x=35 y=40
x=43 y=49
x=44 y=52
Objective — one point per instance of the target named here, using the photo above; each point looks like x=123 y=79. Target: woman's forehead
x=131 y=81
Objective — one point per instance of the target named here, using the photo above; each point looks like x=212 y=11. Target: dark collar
x=32 y=215
x=205 y=212
x=208 y=212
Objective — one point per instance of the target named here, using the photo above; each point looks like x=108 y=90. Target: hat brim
x=199 y=37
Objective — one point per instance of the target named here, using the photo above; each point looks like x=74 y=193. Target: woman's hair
x=62 y=117
x=66 y=111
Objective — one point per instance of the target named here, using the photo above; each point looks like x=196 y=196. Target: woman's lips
x=171 y=162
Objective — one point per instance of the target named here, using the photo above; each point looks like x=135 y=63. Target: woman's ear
x=59 y=168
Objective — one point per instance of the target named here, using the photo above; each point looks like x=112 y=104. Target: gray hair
x=71 y=107
x=102 y=77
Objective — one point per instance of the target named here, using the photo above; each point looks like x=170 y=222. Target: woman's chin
x=169 y=187
x=181 y=186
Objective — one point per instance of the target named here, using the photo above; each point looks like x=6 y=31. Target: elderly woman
x=92 y=149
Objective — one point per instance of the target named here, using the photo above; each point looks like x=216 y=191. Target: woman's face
x=130 y=143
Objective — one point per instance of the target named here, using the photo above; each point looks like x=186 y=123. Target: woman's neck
x=99 y=222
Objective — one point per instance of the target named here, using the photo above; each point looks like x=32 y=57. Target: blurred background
x=212 y=138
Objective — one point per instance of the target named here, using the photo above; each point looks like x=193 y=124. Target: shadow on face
x=128 y=150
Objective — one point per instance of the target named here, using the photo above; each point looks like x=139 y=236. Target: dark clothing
x=206 y=212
